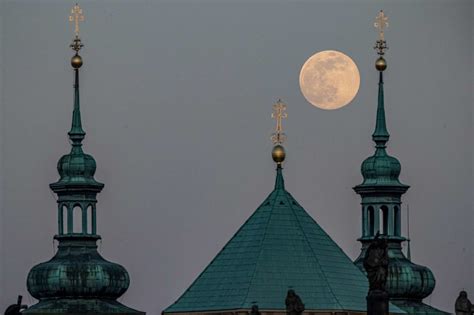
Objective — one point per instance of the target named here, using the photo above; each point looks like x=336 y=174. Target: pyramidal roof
x=280 y=247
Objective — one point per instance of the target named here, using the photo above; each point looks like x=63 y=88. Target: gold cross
x=381 y=22
x=76 y=17
x=278 y=137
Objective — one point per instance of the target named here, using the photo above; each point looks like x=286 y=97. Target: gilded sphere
x=278 y=153
x=76 y=61
x=381 y=64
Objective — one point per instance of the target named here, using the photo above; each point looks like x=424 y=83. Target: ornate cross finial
x=381 y=23
x=76 y=17
x=279 y=108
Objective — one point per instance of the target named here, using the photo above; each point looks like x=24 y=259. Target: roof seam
x=261 y=247
x=314 y=254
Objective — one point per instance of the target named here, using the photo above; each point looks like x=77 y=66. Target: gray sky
x=176 y=100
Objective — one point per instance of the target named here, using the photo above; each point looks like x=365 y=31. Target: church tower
x=381 y=191
x=77 y=280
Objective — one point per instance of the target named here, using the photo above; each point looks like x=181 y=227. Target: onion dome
x=381 y=169
x=407 y=280
x=76 y=167
x=77 y=270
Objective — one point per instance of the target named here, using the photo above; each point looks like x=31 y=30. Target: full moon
x=329 y=79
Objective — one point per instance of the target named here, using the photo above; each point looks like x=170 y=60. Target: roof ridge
x=311 y=247
x=261 y=247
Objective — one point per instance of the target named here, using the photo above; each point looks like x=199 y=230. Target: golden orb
x=278 y=154
x=76 y=61
x=381 y=64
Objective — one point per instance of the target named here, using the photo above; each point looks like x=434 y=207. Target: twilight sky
x=176 y=101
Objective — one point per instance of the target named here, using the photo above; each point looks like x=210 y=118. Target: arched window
x=77 y=219
x=384 y=221
x=396 y=221
x=89 y=219
x=371 y=219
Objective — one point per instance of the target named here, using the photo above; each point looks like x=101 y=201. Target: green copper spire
x=77 y=280
x=381 y=193
x=380 y=135
x=76 y=134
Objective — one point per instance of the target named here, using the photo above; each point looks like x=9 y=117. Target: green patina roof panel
x=417 y=308
x=279 y=247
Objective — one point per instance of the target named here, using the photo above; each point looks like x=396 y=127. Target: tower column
x=60 y=219
x=94 y=223
x=84 y=219
x=70 y=223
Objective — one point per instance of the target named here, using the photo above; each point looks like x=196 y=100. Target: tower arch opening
x=77 y=219
x=89 y=219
